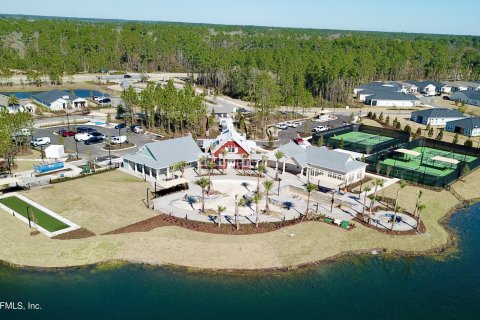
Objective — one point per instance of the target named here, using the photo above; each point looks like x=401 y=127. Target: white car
x=118 y=139
x=295 y=125
x=282 y=126
x=320 y=129
x=40 y=142
x=82 y=136
x=289 y=124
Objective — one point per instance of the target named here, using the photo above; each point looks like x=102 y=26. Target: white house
x=467 y=126
x=468 y=96
x=436 y=116
x=320 y=164
x=392 y=99
x=57 y=100
x=378 y=86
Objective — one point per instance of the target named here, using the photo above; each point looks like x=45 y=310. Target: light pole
x=110 y=154
x=76 y=146
x=278 y=191
x=28 y=217
x=148 y=202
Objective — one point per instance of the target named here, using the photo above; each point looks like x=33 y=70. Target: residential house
x=156 y=158
x=468 y=96
x=467 y=126
x=320 y=164
x=430 y=88
x=436 y=116
x=392 y=99
x=57 y=100
x=378 y=86
x=23 y=106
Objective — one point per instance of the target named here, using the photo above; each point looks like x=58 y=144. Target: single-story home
x=57 y=100
x=23 y=105
x=392 y=99
x=468 y=96
x=467 y=126
x=156 y=158
x=436 y=116
x=378 y=86
x=320 y=164
x=429 y=87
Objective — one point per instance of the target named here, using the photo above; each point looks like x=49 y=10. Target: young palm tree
x=419 y=195
x=256 y=199
x=420 y=208
x=220 y=209
x=278 y=155
x=241 y=203
x=309 y=187
x=267 y=185
x=260 y=170
x=224 y=154
x=181 y=165
x=377 y=183
x=202 y=164
x=366 y=190
x=210 y=167
x=203 y=183
x=401 y=186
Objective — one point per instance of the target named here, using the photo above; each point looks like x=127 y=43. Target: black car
x=446 y=98
x=98 y=134
x=127 y=76
x=94 y=140
x=85 y=130
x=121 y=126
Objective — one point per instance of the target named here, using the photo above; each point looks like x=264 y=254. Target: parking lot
x=94 y=150
x=284 y=136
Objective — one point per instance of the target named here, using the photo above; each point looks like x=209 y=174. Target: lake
x=82 y=93
x=365 y=287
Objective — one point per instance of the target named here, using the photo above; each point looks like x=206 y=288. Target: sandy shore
x=312 y=242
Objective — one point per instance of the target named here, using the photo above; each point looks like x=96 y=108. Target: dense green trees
x=306 y=65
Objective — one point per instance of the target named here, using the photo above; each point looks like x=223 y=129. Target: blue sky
x=427 y=16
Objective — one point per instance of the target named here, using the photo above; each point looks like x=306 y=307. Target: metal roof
x=470 y=94
x=439 y=113
x=386 y=95
x=48 y=97
x=466 y=123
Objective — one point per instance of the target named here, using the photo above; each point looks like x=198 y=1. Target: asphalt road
x=95 y=150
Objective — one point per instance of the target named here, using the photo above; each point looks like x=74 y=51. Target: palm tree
x=202 y=163
x=210 y=167
x=420 y=208
x=278 y=155
x=419 y=195
x=180 y=166
x=260 y=170
x=256 y=199
x=401 y=186
x=241 y=203
x=309 y=187
x=366 y=190
x=267 y=185
x=203 y=183
x=224 y=154
x=373 y=198
x=220 y=209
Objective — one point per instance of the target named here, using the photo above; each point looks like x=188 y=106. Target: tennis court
x=361 y=141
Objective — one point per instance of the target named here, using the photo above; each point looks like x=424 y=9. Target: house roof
x=162 y=154
x=48 y=97
x=386 y=95
x=381 y=86
x=470 y=94
x=439 y=113
x=321 y=157
x=227 y=135
x=422 y=84
x=466 y=123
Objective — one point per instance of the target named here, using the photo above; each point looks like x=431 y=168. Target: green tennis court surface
x=43 y=219
x=361 y=138
x=425 y=164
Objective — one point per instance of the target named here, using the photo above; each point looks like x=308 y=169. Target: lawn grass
x=43 y=219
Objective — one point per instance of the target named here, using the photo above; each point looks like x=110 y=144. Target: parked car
x=136 y=128
x=98 y=134
x=118 y=139
x=320 y=129
x=66 y=133
x=105 y=101
x=446 y=98
x=94 y=140
x=83 y=136
x=85 y=130
x=282 y=126
x=295 y=125
x=43 y=141
x=127 y=76
x=85 y=111
x=121 y=126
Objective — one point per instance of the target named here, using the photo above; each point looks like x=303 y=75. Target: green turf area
x=361 y=138
x=425 y=164
x=43 y=219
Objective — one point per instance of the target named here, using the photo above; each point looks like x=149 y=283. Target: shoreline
x=452 y=243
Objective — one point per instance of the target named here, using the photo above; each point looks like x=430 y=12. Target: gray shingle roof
x=466 y=123
x=386 y=95
x=48 y=97
x=438 y=113
x=163 y=154
x=422 y=84
x=381 y=86
x=470 y=94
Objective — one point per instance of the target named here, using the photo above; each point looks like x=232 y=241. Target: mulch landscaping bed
x=75 y=234
x=164 y=220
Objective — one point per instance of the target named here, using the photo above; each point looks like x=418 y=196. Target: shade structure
x=167 y=184
x=409 y=152
x=445 y=159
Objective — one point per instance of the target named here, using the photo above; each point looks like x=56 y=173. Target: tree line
x=307 y=66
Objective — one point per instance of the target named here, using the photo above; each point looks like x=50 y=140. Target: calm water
x=82 y=93
x=357 y=288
